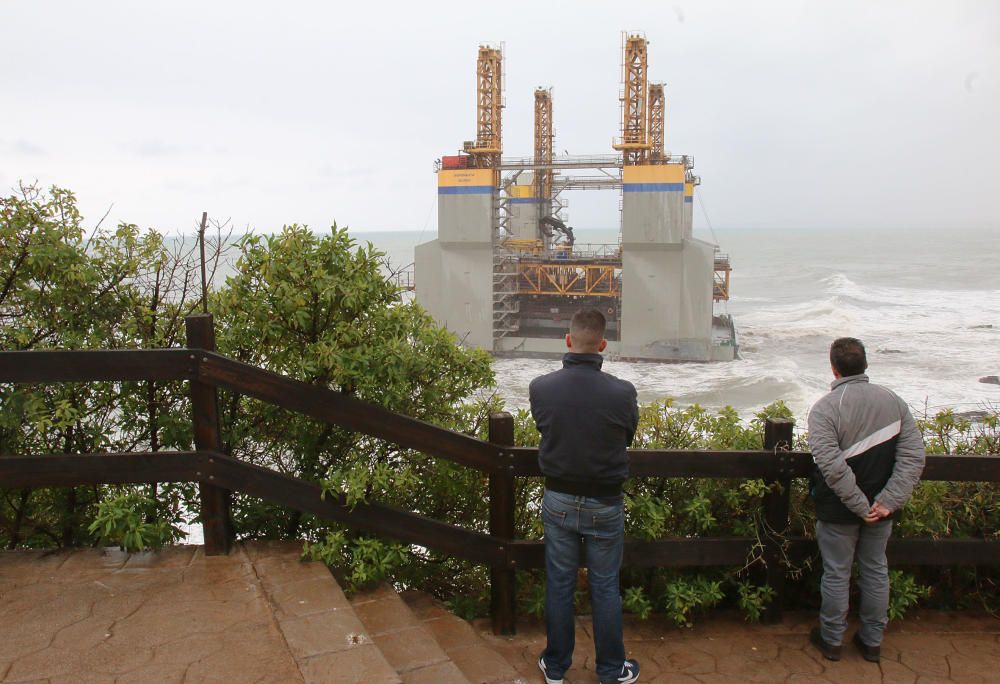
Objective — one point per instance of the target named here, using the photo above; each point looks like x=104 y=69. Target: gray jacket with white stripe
x=866 y=447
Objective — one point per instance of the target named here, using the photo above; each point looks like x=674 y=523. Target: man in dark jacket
x=587 y=419
x=869 y=456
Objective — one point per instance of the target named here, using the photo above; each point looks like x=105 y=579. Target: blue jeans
x=567 y=518
x=840 y=546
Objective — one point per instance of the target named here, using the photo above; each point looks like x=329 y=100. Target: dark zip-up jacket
x=866 y=447
x=587 y=419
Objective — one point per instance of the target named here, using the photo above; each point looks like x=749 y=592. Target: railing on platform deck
x=219 y=474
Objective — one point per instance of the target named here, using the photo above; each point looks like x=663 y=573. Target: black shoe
x=829 y=651
x=545 y=672
x=629 y=674
x=870 y=653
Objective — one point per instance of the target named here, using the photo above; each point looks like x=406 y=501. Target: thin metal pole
x=204 y=278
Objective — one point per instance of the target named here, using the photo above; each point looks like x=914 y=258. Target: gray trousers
x=839 y=545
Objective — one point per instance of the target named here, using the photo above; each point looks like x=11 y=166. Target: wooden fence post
x=503 y=595
x=778 y=438
x=215 y=501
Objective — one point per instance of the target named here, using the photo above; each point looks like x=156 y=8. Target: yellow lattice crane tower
x=488 y=146
x=634 y=144
x=544 y=136
x=657 y=113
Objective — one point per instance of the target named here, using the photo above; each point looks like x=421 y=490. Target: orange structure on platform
x=634 y=143
x=488 y=146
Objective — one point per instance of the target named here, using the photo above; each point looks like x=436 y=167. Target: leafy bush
x=753 y=599
x=67 y=288
x=904 y=592
x=134 y=521
x=367 y=560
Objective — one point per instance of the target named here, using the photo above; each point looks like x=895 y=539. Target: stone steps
x=375 y=636
x=405 y=641
x=478 y=661
x=322 y=630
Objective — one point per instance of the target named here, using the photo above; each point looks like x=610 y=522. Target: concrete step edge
x=404 y=639
x=475 y=656
x=323 y=633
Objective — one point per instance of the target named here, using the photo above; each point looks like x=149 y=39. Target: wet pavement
x=925 y=648
x=95 y=616
x=261 y=615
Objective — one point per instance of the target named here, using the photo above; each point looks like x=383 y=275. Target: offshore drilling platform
x=506 y=273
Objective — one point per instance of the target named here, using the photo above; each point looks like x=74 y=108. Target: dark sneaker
x=829 y=651
x=630 y=673
x=548 y=679
x=870 y=653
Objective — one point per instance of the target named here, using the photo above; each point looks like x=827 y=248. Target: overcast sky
x=799 y=114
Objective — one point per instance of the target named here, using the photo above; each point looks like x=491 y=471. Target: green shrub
x=132 y=522
x=753 y=599
x=904 y=593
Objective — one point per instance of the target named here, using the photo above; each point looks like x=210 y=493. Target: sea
x=926 y=304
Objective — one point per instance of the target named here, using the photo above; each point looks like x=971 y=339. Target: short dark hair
x=587 y=328
x=847 y=355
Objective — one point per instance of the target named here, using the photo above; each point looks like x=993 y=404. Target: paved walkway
x=925 y=649
x=91 y=616
x=261 y=615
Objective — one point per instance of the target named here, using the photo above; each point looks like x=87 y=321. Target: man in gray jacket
x=869 y=456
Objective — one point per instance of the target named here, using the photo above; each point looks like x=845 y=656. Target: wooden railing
x=219 y=474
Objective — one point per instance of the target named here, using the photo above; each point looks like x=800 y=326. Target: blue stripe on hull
x=653 y=187
x=524 y=200
x=465 y=190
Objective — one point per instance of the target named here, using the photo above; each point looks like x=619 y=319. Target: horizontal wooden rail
x=523 y=461
x=690 y=463
x=767 y=464
x=68 y=470
x=335 y=407
x=920 y=551
x=88 y=366
x=370 y=517
x=735 y=551
x=985 y=468
x=665 y=553
x=60 y=470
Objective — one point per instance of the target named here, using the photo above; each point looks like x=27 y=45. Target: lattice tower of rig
x=634 y=143
x=657 y=115
x=488 y=146
x=544 y=140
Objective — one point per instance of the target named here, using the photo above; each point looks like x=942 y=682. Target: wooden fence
x=219 y=474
